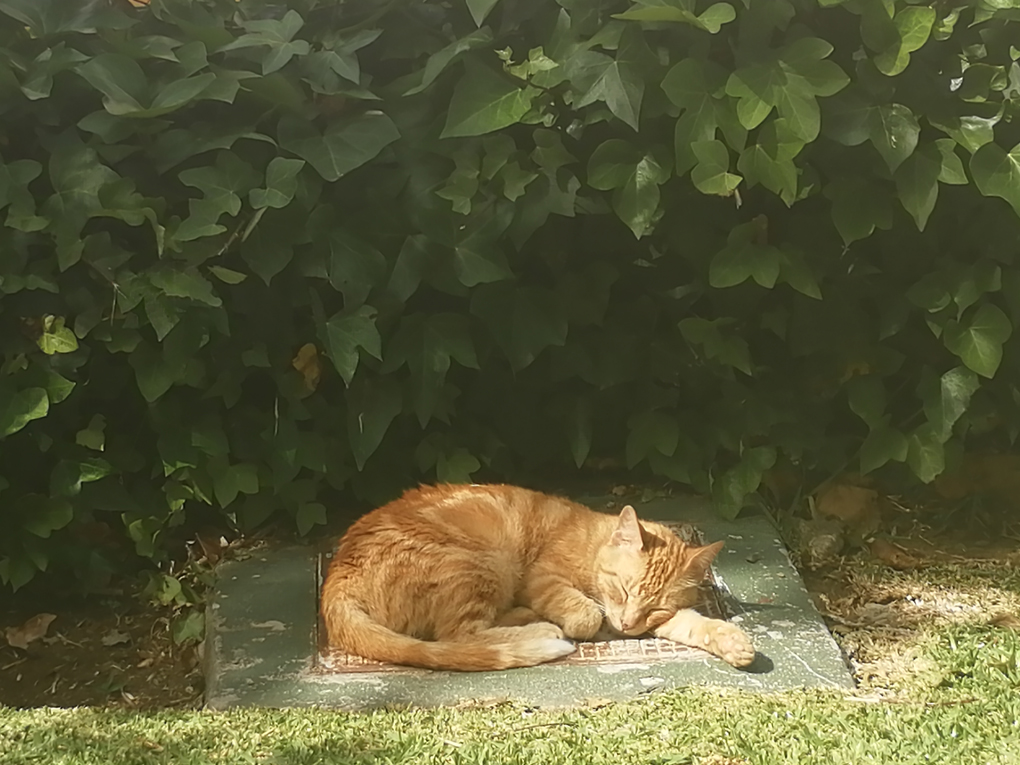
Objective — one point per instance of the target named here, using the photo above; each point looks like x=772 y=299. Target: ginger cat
x=492 y=577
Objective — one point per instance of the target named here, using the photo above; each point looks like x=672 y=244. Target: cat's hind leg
x=518 y=617
x=481 y=608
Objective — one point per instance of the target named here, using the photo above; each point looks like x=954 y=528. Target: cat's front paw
x=728 y=642
x=584 y=622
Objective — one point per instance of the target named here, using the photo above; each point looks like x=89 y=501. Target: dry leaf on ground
x=115 y=637
x=31 y=630
x=877 y=614
x=893 y=555
x=855 y=506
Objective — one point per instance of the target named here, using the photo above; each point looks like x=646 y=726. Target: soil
x=117 y=650
x=109 y=651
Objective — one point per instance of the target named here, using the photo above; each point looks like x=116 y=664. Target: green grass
x=967 y=711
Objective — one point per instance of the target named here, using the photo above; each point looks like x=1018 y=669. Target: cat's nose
x=627 y=625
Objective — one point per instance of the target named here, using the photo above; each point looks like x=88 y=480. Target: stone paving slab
x=262 y=636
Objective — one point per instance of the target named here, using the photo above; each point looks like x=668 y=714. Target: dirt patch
x=881 y=616
x=114 y=651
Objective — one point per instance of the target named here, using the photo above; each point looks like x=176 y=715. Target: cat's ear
x=700 y=558
x=628 y=531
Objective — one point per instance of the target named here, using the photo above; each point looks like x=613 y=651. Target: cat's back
x=482 y=516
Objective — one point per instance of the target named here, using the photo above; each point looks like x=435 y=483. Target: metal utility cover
x=264 y=645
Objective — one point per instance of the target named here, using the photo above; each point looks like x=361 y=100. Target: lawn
x=935 y=650
x=964 y=707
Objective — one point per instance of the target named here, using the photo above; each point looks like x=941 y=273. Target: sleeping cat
x=493 y=577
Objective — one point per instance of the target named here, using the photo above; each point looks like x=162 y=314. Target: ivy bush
x=259 y=256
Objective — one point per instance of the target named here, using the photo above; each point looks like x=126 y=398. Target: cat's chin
x=609 y=632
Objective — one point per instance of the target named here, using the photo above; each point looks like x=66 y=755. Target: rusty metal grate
x=608 y=652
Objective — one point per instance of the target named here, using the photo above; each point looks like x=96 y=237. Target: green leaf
x=224 y=484
x=800 y=110
x=277 y=36
x=731 y=488
x=770 y=160
x=478 y=260
x=611 y=164
x=121 y=81
x=925 y=453
x=524 y=321
x=20 y=408
x=616 y=81
x=483 y=102
x=757 y=88
x=858 y=207
x=711 y=175
x=94 y=436
x=945 y=404
x=997 y=173
x=188 y=629
x=345 y=146
x=728 y=349
x=181 y=92
x=188 y=283
x=153 y=373
x=710 y=20
x=882 y=445
x=427 y=344
x=439 y=61
x=893 y=130
x=354 y=267
x=616 y=164
x=651 y=430
x=917 y=186
x=57 y=339
x=69 y=475
x=309 y=515
x=480 y=9
x=281 y=184
x=717 y=14
x=371 y=407
x=222 y=186
x=58 y=387
x=269 y=248
x=740 y=261
x=456 y=466
x=579 y=428
x=866 y=395
x=345 y=333
x=798 y=274
x=43 y=516
x=979 y=342
x=970 y=131
x=951 y=169
x=913 y=26
x=691 y=85
x=227 y=275
x=78 y=178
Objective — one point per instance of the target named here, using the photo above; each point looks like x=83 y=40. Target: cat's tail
x=355 y=631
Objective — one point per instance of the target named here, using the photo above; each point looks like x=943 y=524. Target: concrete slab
x=262 y=646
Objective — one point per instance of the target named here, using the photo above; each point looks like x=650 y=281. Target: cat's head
x=644 y=576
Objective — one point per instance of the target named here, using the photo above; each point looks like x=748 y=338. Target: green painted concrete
x=261 y=636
